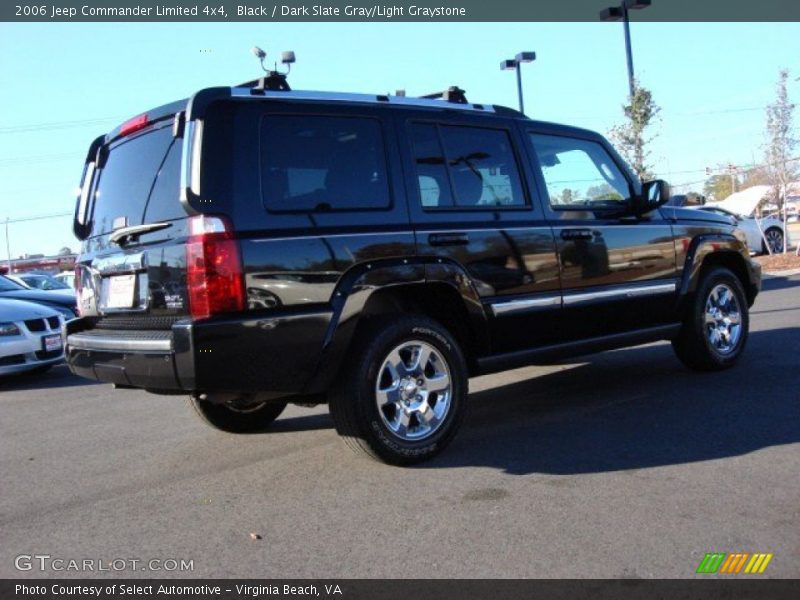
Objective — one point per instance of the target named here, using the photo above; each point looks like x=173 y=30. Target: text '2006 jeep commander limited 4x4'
x=255 y=246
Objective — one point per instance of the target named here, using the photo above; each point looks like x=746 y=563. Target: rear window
x=126 y=180
x=319 y=163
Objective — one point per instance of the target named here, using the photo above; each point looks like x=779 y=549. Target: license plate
x=120 y=291
x=51 y=343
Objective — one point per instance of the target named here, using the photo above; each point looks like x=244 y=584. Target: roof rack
x=273 y=81
x=452 y=94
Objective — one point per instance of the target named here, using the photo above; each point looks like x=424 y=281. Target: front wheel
x=237 y=417
x=774 y=237
x=716 y=325
x=403 y=394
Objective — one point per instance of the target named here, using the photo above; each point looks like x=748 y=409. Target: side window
x=465 y=167
x=317 y=163
x=579 y=174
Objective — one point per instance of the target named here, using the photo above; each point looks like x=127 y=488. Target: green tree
x=718 y=187
x=781 y=143
x=630 y=138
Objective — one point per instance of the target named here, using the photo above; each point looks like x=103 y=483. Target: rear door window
x=321 y=163
x=465 y=167
x=127 y=178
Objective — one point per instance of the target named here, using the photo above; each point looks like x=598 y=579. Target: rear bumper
x=278 y=354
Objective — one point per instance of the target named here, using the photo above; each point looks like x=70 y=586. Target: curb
x=786 y=273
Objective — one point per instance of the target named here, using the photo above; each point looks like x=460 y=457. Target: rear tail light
x=213 y=268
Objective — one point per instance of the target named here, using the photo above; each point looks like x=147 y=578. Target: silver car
x=31 y=337
x=752 y=228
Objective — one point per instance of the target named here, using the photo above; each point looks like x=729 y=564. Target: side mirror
x=654 y=194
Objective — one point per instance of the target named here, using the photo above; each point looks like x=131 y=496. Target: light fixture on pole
x=515 y=64
x=616 y=13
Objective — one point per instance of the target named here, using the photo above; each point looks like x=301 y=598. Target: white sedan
x=31 y=337
x=772 y=228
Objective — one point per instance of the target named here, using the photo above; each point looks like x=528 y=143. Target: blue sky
x=64 y=84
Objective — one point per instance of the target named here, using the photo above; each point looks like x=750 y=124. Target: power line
x=30 y=127
x=36 y=218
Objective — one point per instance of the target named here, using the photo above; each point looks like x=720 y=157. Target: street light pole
x=628 y=53
x=622 y=12
x=516 y=64
x=8 y=246
x=519 y=89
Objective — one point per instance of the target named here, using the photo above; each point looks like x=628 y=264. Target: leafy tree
x=718 y=187
x=755 y=176
x=630 y=138
x=65 y=251
x=603 y=191
x=781 y=142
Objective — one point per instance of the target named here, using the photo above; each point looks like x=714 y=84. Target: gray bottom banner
x=394 y=589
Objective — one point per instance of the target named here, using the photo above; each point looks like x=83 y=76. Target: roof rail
x=452 y=94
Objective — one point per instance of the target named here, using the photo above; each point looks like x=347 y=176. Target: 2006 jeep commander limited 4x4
x=255 y=246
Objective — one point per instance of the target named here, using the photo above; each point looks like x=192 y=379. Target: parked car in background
x=62 y=301
x=66 y=277
x=39 y=281
x=770 y=225
x=31 y=337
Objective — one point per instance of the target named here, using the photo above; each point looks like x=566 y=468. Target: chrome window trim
x=190 y=158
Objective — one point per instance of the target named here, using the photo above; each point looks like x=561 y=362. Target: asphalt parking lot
x=618 y=465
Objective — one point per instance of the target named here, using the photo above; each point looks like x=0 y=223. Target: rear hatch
x=132 y=268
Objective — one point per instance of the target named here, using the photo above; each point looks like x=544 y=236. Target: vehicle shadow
x=779 y=282
x=57 y=377
x=634 y=409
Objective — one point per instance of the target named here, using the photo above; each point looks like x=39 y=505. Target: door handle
x=448 y=239
x=576 y=234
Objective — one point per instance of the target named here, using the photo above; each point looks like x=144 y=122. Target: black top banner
x=402 y=10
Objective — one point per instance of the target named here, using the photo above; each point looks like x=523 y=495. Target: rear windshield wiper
x=123 y=235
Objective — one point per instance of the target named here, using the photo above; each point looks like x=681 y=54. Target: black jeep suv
x=255 y=246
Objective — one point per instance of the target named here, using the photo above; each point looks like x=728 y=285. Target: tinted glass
x=434 y=183
x=126 y=179
x=313 y=163
x=579 y=173
x=482 y=167
x=164 y=203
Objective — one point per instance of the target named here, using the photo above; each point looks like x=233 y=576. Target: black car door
x=471 y=205
x=618 y=270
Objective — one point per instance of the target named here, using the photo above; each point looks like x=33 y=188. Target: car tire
x=716 y=324
x=230 y=419
x=775 y=238
x=402 y=394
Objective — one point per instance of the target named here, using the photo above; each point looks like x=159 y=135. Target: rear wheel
x=403 y=394
x=716 y=325
x=237 y=417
